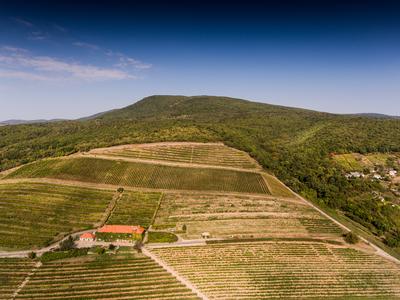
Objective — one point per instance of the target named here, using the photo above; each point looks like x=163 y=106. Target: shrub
x=111 y=247
x=32 y=255
x=67 y=244
x=120 y=190
x=100 y=250
x=162 y=237
x=351 y=238
x=49 y=256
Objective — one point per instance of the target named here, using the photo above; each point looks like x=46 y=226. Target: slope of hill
x=229 y=243
x=294 y=144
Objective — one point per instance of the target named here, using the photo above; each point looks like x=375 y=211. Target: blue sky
x=67 y=60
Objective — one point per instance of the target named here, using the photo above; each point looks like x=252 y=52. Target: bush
x=111 y=247
x=67 y=244
x=32 y=255
x=120 y=190
x=49 y=256
x=100 y=250
x=161 y=237
x=351 y=238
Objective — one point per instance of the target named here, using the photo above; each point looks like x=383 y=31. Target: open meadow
x=34 y=214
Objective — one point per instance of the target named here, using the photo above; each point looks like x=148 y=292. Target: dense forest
x=294 y=144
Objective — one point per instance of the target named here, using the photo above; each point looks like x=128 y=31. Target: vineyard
x=12 y=273
x=119 y=276
x=284 y=270
x=34 y=214
x=225 y=216
x=197 y=153
x=135 y=208
x=144 y=175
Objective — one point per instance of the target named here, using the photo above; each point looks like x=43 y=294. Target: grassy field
x=120 y=276
x=358 y=162
x=227 y=216
x=135 y=208
x=34 y=214
x=277 y=188
x=208 y=154
x=144 y=175
x=12 y=273
x=162 y=237
x=270 y=270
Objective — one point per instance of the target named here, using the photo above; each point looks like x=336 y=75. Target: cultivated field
x=286 y=270
x=34 y=214
x=135 y=208
x=196 y=153
x=12 y=273
x=226 y=216
x=144 y=175
x=121 y=276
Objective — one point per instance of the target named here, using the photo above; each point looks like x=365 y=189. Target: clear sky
x=68 y=59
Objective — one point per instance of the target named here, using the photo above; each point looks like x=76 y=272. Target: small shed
x=206 y=235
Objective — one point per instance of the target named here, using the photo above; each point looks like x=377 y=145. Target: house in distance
x=109 y=233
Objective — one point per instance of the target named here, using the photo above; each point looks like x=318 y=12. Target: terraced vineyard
x=12 y=273
x=226 y=216
x=33 y=214
x=135 y=208
x=122 y=276
x=284 y=270
x=144 y=175
x=197 y=153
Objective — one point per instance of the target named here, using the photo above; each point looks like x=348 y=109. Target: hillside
x=218 y=225
x=294 y=144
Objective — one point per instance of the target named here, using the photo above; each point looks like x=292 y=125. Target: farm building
x=135 y=231
x=87 y=237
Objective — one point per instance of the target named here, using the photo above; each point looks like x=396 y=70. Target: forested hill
x=295 y=144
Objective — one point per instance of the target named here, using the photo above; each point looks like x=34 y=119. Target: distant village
x=388 y=177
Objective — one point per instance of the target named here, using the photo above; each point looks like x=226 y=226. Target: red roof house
x=87 y=236
x=122 y=229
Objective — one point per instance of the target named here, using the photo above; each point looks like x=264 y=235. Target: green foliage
x=36 y=214
x=139 y=174
x=294 y=144
x=135 y=208
x=120 y=190
x=112 y=237
x=32 y=255
x=162 y=237
x=351 y=238
x=56 y=255
x=67 y=244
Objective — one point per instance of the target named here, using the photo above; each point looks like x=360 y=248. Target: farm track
x=170 y=270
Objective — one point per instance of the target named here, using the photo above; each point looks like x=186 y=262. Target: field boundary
x=174 y=273
x=26 y=280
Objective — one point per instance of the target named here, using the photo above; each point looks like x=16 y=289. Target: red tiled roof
x=122 y=229
x=87 y=235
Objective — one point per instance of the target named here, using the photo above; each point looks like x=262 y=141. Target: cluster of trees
x=294 y=144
